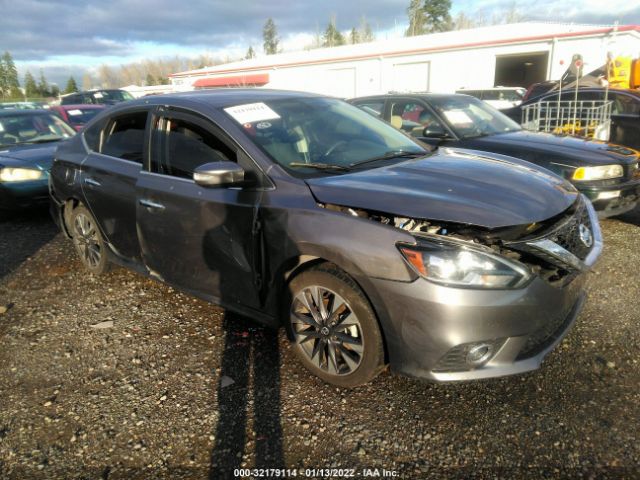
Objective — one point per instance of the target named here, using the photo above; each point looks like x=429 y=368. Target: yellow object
x=634 y=81
x=619 y=72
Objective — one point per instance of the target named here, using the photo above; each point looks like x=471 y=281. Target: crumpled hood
x=583 y=149
x=453 y=186
x=30 y=156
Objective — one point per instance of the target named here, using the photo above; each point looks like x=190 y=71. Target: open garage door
x=521 y=70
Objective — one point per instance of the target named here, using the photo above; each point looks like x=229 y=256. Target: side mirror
x=218 y=174
x=434 y=131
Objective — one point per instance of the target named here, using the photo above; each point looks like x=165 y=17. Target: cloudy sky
x=66 y=37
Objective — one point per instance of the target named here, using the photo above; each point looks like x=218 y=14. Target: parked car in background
x=22 y=106
x=77 y=115
x=607 y=174
x=625 y=112
x=28 y=139
x=304 y=211
x=498 y=97
x=101 y=97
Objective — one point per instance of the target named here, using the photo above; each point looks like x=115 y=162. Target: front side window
x=124 y=137
x=415 y=117
x=296 y=132
x=37 y=128
x=181 y=146
x=470 y=117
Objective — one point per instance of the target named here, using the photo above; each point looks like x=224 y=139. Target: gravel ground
x=123 y=377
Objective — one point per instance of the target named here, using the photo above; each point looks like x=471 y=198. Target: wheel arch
x=296 y=265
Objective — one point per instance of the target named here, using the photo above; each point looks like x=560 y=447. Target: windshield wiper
x=42 y=140
x=391 y=154
x=320 y=166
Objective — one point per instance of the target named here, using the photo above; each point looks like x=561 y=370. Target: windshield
x=112 y=96
x=470 y=117
x=80 y=116
x=32 y=128
x=327 y=134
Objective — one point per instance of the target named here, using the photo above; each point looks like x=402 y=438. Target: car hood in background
x=39 y=155
x=582 y=149
x=453 y=186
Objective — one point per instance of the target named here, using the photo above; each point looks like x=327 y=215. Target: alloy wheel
x=327 y=330
x=87 y=240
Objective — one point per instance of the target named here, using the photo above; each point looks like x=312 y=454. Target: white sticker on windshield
x=252 y=112
x=457 y=117
x=97 y=95
x=74 y=112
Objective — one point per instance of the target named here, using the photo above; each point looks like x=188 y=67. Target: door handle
x=92 y=182
x=150 y=204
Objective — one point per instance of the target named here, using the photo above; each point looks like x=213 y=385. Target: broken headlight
x=460 y=266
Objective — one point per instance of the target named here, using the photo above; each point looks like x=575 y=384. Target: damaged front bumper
x=451 y=334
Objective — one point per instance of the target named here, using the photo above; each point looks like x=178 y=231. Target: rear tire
x=88 y=241
x=332 y=327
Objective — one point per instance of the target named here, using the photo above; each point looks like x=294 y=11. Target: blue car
x=28 y=140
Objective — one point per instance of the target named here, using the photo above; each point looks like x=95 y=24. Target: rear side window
x=181 y=146
x=124 y=137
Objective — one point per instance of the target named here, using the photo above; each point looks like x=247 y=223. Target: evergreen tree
x=150 y=80
x=4 y=89
x=354 y=36
x=30 y=87
x=437 y=16
x=332 y=36
x=10 y=82
x=250 y=53
x=72 y=86
x=43 y=86
x=55 y=90
x=428 y=16
x=270 y=37
x=416 y=19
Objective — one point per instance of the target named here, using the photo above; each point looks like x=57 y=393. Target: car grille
x=568 y=236
x=565 y=233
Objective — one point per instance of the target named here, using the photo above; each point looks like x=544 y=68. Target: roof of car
x=71 y=106
x=419 y=94
x=224 y=97
x=25 y=112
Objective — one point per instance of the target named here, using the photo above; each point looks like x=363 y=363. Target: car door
x=201 y=239
x=109 y=176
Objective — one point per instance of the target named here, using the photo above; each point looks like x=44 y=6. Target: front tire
x=333 y=328
x=88 y=241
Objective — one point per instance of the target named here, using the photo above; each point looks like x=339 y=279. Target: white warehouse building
x=500 y=55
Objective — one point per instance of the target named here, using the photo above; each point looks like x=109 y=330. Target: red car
x=77 y=115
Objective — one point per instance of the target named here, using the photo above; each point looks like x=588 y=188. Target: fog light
x=479 y=354
x=608 y=195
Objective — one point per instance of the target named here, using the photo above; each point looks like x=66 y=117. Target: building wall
x=440 y=71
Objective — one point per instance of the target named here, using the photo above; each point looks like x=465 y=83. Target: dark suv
x=97 y=97
x=304 y=211
x=606 y=173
